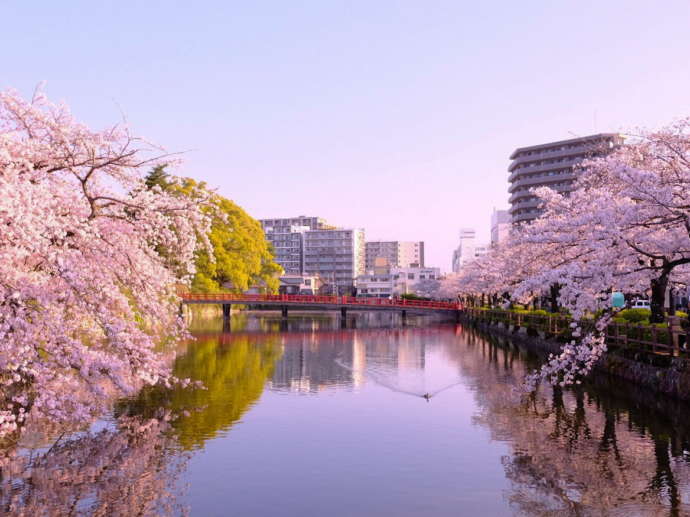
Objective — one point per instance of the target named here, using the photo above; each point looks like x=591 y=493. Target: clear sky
x=397 y=117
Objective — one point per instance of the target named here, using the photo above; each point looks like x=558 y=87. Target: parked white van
x=641 y=304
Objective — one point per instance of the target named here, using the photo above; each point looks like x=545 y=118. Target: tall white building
x=465 y=252
x=500 y=226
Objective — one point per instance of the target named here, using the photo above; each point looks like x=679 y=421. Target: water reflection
x=339 y=407
x=598 y=450
x=347 y=358
x=131 y=468
x=233 y=369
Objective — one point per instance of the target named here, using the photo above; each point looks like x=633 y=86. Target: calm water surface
x=302 y=418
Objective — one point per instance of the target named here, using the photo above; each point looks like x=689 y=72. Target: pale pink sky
x=397 y=117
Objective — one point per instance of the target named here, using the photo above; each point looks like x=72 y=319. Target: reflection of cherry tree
x=575 y=453
x=130 y=469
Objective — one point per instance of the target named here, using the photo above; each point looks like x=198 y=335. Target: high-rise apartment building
x=336 y=255
x=287 y=237
x=551 y=165
x=465 y=252
x=396 y=254
x=500 y=226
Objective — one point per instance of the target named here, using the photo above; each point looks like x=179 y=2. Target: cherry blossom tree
x=85 y=299
x=626 y=228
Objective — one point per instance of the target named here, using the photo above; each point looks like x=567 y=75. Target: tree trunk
x=671 y=303
x=658 y=297
x=554 y=290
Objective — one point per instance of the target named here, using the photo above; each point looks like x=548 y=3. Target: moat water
x=304 y=418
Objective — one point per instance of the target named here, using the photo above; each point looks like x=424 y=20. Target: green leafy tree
x=241 y=256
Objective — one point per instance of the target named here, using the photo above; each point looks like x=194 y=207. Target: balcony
x=542 y=181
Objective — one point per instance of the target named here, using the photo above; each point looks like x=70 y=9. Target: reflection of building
x=312 y=366
x=394 y=253
x=311 y=362
x=412 y=354
x=551 y=165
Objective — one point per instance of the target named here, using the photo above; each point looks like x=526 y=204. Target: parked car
x=641 y=304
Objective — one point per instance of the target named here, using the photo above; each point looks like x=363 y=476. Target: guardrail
x=316 y=300
x=671 y=340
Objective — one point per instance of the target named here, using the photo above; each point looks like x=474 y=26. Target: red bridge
x=320 y=303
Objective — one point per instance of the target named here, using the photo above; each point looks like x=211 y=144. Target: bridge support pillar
x=404 y=317
x=343 y=317
x=284 y=311
x=227 y=311
x=457 y=316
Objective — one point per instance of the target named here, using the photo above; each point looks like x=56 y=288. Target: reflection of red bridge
x=319 y=303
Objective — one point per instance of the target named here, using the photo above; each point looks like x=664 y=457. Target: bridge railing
x=317 y=299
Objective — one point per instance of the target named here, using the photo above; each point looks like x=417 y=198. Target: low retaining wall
x=672 y=380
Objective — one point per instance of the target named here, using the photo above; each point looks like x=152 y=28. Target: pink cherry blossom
x=85 y=298
x=625 y=228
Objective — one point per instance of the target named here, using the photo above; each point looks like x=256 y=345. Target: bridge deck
x=300 y=301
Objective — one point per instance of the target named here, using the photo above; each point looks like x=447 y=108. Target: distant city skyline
x=396 y=117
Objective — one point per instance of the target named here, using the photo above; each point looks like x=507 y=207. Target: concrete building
x=287 y=237
x=550 y=165
x=396 y=253
x=336 y=255
x=373 y=285
x=299 y=284
x=406 y=279
x=500 y=226
x=465 y=250
x=397 y=281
